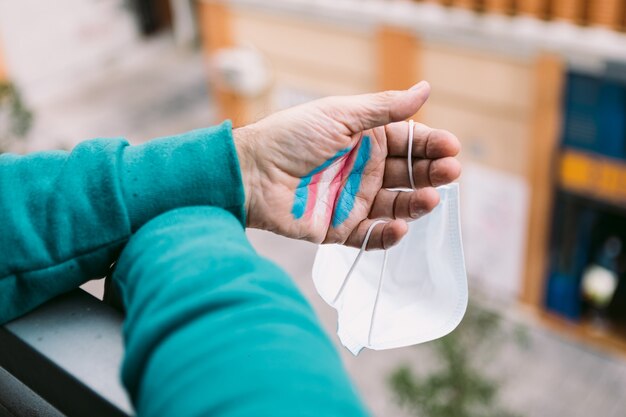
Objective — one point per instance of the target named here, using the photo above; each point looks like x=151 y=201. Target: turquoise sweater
x=212 y=328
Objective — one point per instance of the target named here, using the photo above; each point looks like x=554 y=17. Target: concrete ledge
x=68 y=352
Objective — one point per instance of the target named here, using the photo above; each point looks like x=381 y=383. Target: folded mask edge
x=348 y=341
x=318 y=269
x=458 y=313
x=450 y=191
x=449 y=327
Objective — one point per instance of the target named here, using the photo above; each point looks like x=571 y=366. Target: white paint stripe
x=324 y=199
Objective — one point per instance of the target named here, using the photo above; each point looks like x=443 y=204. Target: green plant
x=457 y=387
x=15 y=118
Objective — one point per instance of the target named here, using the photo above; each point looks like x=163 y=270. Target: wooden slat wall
x=549 y=75
x=303 y=55
x=321 y=58
x=490 y=140
x=488 y=104
x=397 y=59
x=466 y=4
x=607 y=13
x=499 y=6
x=215 y=27
x=535 y=8
x=488 y=83
x=215 y=32
x=569 y=10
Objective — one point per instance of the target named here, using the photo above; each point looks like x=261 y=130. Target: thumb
x=367 y=111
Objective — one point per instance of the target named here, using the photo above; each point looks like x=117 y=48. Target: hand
x=321 y=171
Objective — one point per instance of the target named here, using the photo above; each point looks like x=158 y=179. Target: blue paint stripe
x=302 y=192
x=346 y=199
x=299 y=202
x=329 y=162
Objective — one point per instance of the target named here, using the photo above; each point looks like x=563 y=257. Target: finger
x=383 y=236
x=404 y=205
x=427 y=142
x=426 y=172
x=367 y=111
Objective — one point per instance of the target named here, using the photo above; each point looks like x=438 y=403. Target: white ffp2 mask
x=412 y=293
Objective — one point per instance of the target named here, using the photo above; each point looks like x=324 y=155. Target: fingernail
x=419 y=86
x=419 y=213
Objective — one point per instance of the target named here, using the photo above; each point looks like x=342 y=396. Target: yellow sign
x=593 y=175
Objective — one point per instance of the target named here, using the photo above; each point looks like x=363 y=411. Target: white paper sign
x=494 y=211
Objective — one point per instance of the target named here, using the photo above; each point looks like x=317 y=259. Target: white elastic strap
x=356 y=260
x=409 y=159
x=409 y=162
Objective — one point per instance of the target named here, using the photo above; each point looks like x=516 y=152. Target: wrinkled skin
x=278 y=151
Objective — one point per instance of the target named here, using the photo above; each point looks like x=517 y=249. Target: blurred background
x=535 y=90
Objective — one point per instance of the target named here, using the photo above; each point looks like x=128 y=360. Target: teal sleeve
x=213 y=329
x=64 y=217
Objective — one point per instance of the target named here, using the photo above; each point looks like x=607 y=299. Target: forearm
x=64 y=217
x=214 y=329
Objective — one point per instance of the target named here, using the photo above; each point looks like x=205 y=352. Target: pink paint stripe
x=312 y=197
x=339 y=181
x=333 y=191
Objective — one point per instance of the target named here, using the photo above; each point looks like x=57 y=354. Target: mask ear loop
x=356 y=260
x=367 y=238
x=409 y=161
x=409 y=158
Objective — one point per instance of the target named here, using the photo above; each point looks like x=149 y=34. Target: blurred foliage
x=457 y=387
x=15 y=119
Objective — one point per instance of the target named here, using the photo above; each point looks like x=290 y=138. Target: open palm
x=323 y=171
